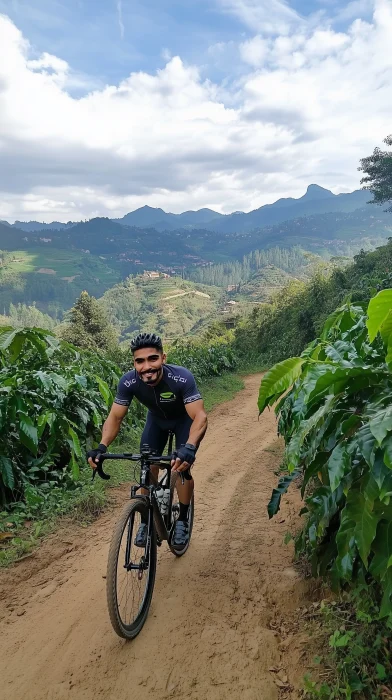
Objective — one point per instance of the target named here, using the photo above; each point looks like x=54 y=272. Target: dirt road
x=214 y=629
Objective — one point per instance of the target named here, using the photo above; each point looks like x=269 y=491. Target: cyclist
x=174 y=404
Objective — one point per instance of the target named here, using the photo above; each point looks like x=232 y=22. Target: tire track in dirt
x=211 y=632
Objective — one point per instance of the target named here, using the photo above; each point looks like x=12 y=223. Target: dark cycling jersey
x=165 y=400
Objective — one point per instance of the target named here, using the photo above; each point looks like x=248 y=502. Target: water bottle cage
x=163 y=499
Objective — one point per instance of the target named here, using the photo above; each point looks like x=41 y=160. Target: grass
x=354 y=659
x=22 y=529
x=220 y=389
x=65 y=263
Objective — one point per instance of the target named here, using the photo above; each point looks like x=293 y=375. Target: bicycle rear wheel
x=129 y=590
x=175 y=511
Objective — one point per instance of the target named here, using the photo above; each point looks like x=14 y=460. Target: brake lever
x=99 y=470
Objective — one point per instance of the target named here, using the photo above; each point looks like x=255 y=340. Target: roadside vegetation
x=54 y=398
x=334 y=408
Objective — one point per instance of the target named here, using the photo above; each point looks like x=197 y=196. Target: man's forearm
x=198 y=429
x=110 y=430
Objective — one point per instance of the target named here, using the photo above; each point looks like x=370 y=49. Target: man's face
x=148 y=364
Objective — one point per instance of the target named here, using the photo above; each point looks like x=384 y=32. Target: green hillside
x=171 y=306
x=296 y=313
x=51 y=278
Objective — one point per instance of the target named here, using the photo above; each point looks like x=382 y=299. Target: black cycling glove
x=97 y=451
x=186 y=453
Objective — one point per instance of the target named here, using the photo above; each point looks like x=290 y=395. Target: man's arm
x=111 y=427
x=112 y=424
x=196 y=411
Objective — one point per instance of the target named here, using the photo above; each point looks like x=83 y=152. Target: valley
x=147 y=267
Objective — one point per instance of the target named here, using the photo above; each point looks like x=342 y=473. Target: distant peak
x=317 y=192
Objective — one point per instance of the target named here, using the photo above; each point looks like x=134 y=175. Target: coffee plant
x=204 y=358
x=53 y=401
x=335 y=414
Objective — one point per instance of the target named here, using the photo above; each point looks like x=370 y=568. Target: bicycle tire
x=129 y=631
x=177 y=551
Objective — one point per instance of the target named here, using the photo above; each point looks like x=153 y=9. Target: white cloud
x=265 y=16
x=310 y=104
x=355 y=8
x=254 y=51
x=120 y=18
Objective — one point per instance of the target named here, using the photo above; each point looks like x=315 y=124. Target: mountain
x=316 y=200
x=161 y=221
x=30 y=226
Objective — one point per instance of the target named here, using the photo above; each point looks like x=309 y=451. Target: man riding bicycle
x=174 y=405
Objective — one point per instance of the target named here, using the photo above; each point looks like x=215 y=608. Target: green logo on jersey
x=167 y=396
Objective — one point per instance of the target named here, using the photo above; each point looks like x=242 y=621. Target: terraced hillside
x=171 y=306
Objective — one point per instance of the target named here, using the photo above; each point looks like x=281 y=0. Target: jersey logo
x=128 y=383
x=176 y=377
x=167 y=396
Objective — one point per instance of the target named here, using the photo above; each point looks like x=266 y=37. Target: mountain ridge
x=316 y=200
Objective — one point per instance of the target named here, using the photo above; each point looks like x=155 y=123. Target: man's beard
x=151 y=376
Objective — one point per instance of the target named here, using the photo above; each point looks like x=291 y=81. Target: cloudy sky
x=109 y=105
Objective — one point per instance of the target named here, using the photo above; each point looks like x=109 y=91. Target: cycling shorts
x=156 y=432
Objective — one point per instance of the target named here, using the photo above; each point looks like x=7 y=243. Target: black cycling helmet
x=146 y=340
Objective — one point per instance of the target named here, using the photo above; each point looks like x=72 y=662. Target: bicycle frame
x=150 y=483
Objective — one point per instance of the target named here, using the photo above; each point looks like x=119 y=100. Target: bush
x=204 y=358
x=53 y=401
x=337 y=424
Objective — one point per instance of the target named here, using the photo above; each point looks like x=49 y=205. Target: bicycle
x=138 y=564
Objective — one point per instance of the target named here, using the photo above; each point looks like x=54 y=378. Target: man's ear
x=164 y=357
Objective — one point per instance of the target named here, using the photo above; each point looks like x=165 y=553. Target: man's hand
x=183 y=458
x=93 y=456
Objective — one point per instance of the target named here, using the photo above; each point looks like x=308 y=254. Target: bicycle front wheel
x=131 y=572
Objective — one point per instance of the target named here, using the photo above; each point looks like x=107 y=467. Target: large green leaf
x=365 y=443
x=75 y=444
x=388 y=452
x=28 y=433
x=386 y=606
x=360 y=511
x=338 y=380
x=104 y=390
x=293 y=451
x=381 y=424
x=332 y=321
x=13 y=341
x=378 y=311
x=382 y=548
x=278 y=379
x=338 y=464
x=75 y=470
x=386 y=328
x=282 y=487
x=6 y=472
x=58 y=380
x=347 y=552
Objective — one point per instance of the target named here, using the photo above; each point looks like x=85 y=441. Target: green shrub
x=337 y=424
x=204 y=358
x=53 y=401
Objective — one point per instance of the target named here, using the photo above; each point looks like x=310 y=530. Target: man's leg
x=184 y=485
x=185 y=493
x=155 y=437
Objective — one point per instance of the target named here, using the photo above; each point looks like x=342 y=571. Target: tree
x=88 y=326
x=378 y=174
